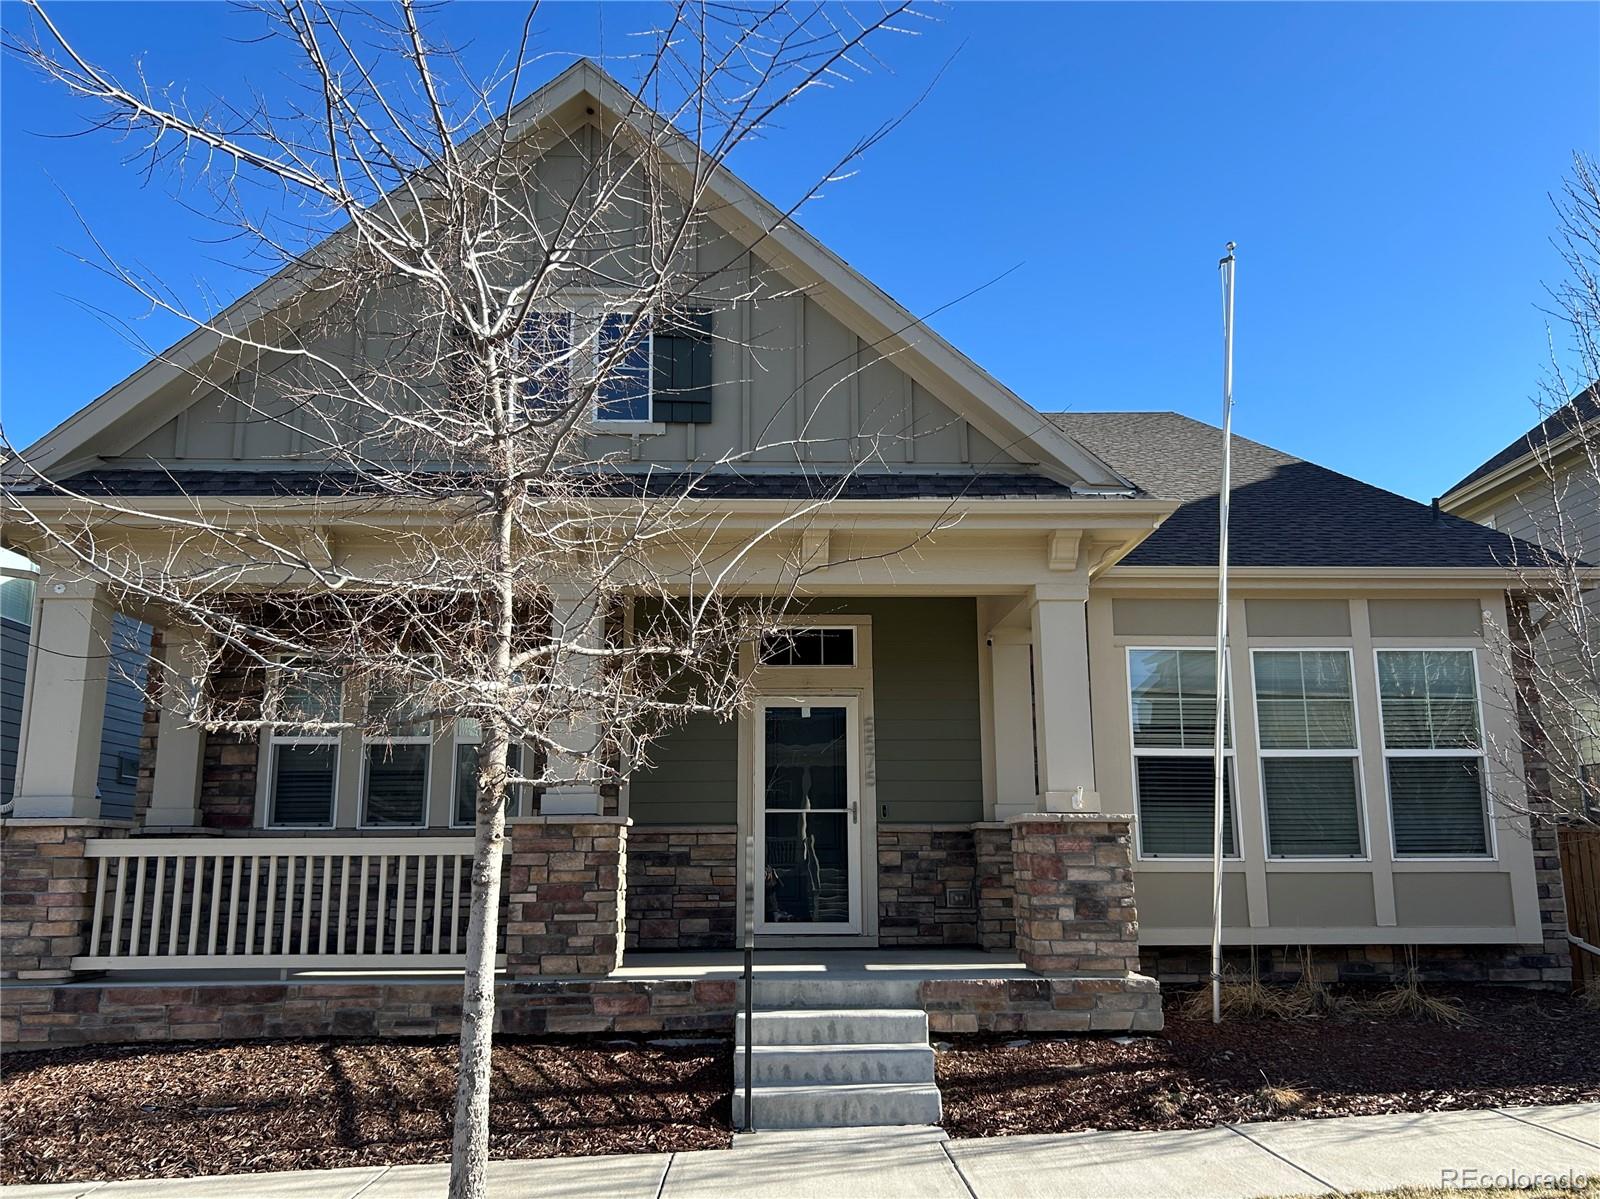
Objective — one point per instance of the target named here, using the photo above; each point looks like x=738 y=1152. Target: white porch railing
x=284 y=902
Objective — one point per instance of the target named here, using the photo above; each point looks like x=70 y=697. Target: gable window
x=547 y=342
x=681 y=391
x=394 y=792
x=302 y=754
x=1310 y=762
x=469 y=747
x=1433 y=753
x=1173 y=707
x=809 y=646
x=624 y=353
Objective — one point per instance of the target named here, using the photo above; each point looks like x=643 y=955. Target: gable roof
x=572 y=97
x=1580 y=410
x=1284 y=511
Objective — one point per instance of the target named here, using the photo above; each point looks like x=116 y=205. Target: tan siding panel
x=1425 y=618
x=1319 y=900
x=1297 y=618
x=1163 y=618
x=1453 y=900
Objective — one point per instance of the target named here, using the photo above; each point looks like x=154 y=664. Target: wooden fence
x=1580 y=876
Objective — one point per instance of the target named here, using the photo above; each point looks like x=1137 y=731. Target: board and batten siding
x=790 y=383
x=926 y=733
x=124 y=719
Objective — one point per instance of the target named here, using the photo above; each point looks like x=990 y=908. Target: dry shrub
x=1591 y=992
x=1407 y=1000
x=1281 y=1101
x=1249 y=998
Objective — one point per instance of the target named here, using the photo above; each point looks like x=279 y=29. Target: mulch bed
x=1519 y=1048
x=215 y=1108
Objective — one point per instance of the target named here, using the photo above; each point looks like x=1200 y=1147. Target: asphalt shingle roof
x=1285 y=511
x=254 y=484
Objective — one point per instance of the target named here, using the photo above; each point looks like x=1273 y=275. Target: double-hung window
x=469 y=749
x=1173 y=703
x=624 y=369
x=394 y=791
x=1310 y=758
x=1433 y=753
x=302 y=746
x=548 y=357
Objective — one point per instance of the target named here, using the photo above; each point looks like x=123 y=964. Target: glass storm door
x=809 y=820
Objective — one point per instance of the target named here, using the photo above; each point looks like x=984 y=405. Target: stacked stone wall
x=927 y=885
x=682 y=887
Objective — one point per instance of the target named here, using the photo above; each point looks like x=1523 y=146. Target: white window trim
x=800 y=624
x=425 y=738
x=1482 y=754
x=275 y=739
x=1350 y=755
x=1135 y=752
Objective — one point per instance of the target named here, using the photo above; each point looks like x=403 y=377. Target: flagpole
x=1219 y=757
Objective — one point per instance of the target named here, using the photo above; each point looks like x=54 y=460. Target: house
x=1543 y=489
x=1006 y=734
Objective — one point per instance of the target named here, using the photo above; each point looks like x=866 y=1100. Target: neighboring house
x=1047 y=653
x=123 y=722
x=1543 y=488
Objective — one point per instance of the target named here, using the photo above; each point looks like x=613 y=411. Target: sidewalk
x=1302 y=1157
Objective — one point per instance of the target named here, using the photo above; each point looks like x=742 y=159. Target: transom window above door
x=809 y=646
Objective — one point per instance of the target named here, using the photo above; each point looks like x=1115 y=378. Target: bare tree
x=1550 y=648
x=450 y=317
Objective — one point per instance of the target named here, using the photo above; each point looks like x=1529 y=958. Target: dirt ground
x=171 y=1111
x=1519 y=1047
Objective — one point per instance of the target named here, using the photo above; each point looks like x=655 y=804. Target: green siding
x=925 y=695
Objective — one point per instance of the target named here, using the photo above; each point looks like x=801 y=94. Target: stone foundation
x=44 y=1016
x=1074 y=894
x=48 y=893
x=996 y=886
x=566 y=889
x=682 y=887
x=1523 y=965
x=1125 y=1004
x=927 y=885
x=100 y=1014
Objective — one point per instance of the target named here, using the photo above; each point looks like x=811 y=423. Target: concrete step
x=847 y=1026
x=840 y=1105
x=836 y=993
x=826 y=1064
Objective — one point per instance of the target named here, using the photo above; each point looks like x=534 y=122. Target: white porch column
x=180 y=745
x=64 y=705
x=1062 y=728
x=577 y=619
x=1016 y=788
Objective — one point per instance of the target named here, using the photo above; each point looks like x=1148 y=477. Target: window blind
x=1433 y=752
x=302 y=784
x=1176 y=806
x=397 y=784
x=1313 y=807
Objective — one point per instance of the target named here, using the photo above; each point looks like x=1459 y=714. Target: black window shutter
x=683 y=369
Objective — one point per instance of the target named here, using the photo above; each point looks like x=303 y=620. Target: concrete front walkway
x=1300 y=1157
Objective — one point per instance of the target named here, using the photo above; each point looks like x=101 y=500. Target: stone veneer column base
x=566 y=885
x=48 y=902
x=996 y=886
x=1074 y=893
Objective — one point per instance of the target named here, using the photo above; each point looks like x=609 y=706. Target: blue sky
x=1385 y=170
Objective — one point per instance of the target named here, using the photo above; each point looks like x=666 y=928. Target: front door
x=808 y=839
